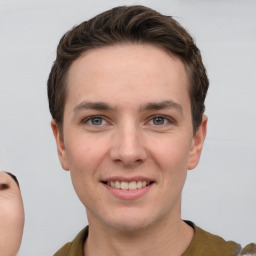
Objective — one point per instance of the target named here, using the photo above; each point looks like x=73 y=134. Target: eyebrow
x=166 y=104
x=92 y=105
x=3 y=186
x=150 y=106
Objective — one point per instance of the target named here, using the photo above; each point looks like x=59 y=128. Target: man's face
x=127 y=123
x=11 y=216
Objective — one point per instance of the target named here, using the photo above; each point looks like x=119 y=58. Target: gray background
x=220 y=195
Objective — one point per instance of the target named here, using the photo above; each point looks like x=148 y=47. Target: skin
x=11 y=216
x=128 y=140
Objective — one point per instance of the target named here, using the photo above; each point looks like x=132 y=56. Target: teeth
x=132 y=185
x=117 y=184
x=124 y=185
x=139 y=184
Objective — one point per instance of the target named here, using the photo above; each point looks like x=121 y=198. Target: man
x=11 y=215
x=126 y=93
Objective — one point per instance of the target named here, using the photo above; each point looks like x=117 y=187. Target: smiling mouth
x=124 y=185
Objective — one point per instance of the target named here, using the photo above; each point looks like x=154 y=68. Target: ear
x=60 y=145
x=197 y=144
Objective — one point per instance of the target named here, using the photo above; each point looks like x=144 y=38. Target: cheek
x=11 y=225
x=172 y=154
x=85 y=157
x=11 y=211
x=85 y=154
x=172 y=157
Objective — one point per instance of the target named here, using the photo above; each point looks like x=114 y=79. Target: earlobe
x=60 y=145
x=197 y=144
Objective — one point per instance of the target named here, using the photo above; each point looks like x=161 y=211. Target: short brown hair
x=134 y=24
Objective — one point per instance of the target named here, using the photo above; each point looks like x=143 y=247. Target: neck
x=161 y=239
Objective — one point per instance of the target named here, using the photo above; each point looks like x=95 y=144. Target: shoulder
x=249 y=250
x=207 y=244
x=74 y=248
x=63 y=251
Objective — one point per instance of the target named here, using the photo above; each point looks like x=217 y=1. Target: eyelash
x=90 y=118
x=167 y=120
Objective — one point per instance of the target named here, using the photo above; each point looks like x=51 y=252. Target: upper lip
x=127 y=179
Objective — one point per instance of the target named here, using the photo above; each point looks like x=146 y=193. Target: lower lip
x=126 y=194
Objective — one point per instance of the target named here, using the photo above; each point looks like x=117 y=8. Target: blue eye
x=96 y=121
x=159 y=120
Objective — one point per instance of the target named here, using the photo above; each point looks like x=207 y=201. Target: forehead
x=136 y=70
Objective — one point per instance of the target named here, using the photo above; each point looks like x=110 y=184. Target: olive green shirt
x=203 y=244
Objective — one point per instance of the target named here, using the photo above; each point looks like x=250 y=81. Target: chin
x=128 y=222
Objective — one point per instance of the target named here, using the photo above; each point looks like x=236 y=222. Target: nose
x=128 y=147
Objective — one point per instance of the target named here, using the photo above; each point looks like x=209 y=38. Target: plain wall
x=220 y=194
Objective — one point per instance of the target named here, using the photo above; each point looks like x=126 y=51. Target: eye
x=160 y=120
x=95 y=121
